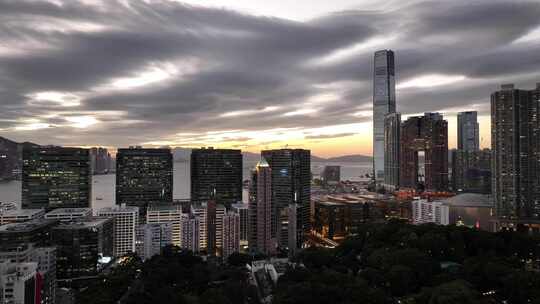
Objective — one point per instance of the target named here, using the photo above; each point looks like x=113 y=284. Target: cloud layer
x=118 y=73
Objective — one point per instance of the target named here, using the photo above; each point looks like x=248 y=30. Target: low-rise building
x=424 y=211
x=20 y=215
x=68 y=214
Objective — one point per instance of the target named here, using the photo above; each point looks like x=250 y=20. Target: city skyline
x=227 y=75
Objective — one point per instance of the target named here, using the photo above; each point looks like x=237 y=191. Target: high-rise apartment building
x=151 y=238
x=468 y=131
x=190 y=232
x=56 y=177
x=392 y=130
x=515 y=142
x=384 y=102
x=167 y=213
x=243 y=210
x=471 y=171
x=261 y=238
x=199 y=211
x=126 y=220
x=427 y=134
x=100 y=160
x=19 y=283
x=143 y=177
x=291 y=183
x=331 y=175
x=216 y=174
x=231 y=234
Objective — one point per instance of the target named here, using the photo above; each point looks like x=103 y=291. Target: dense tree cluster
x=176 y=276
x=392 y=262
x=384 y=263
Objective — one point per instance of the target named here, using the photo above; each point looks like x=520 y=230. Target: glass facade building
x=384 y=102
x=56 y=177
x=143 y=177
x=216 y=174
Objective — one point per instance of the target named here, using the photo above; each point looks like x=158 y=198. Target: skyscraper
x=427 y=134
x=384 y=102
x=216 y=174
x=515 y=142
x=468 y=131
x=392 y=129
x=260 y=210
x=143 y=177
x=291 y=183
x=56 y=177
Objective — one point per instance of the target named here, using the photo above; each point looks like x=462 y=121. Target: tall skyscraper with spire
x=384 y=102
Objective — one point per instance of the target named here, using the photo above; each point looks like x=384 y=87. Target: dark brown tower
x=428 y=134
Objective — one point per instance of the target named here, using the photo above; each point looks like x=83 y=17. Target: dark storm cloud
x=262 y=70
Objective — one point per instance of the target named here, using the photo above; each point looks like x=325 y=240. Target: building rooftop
x=240 y=206
x=22 y=212
x=119 y=209
x=27 y=226
x=70 y=210
x=470 y=200
x=84 y=223
x=164 y=207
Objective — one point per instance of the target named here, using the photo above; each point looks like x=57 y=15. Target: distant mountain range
x=183 y=155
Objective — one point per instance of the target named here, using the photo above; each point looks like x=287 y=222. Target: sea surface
x=103 y=194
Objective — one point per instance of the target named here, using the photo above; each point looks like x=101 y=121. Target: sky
x=250 y=74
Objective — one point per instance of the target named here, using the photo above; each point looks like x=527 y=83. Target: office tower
x=143 y=177
x=291 y=183
x=515 y=142
x=392 y=130
x=19 y=283
x=331 y=175
x=260 y=210
x=384 y=102
x=20 y=215
x=427 y=134
x=84 y=246
x=468 y=131
x=231 y=234
x=471 y=171
x=126 y=220
x=151 y=238
x=199 y=211
x=425 y=211
x=18 y=240
x=216 y=174
x=56 y=177
x=68 y=214
x=243 y=210
x=190 y=232
x=100 y=160
x=167 y=213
